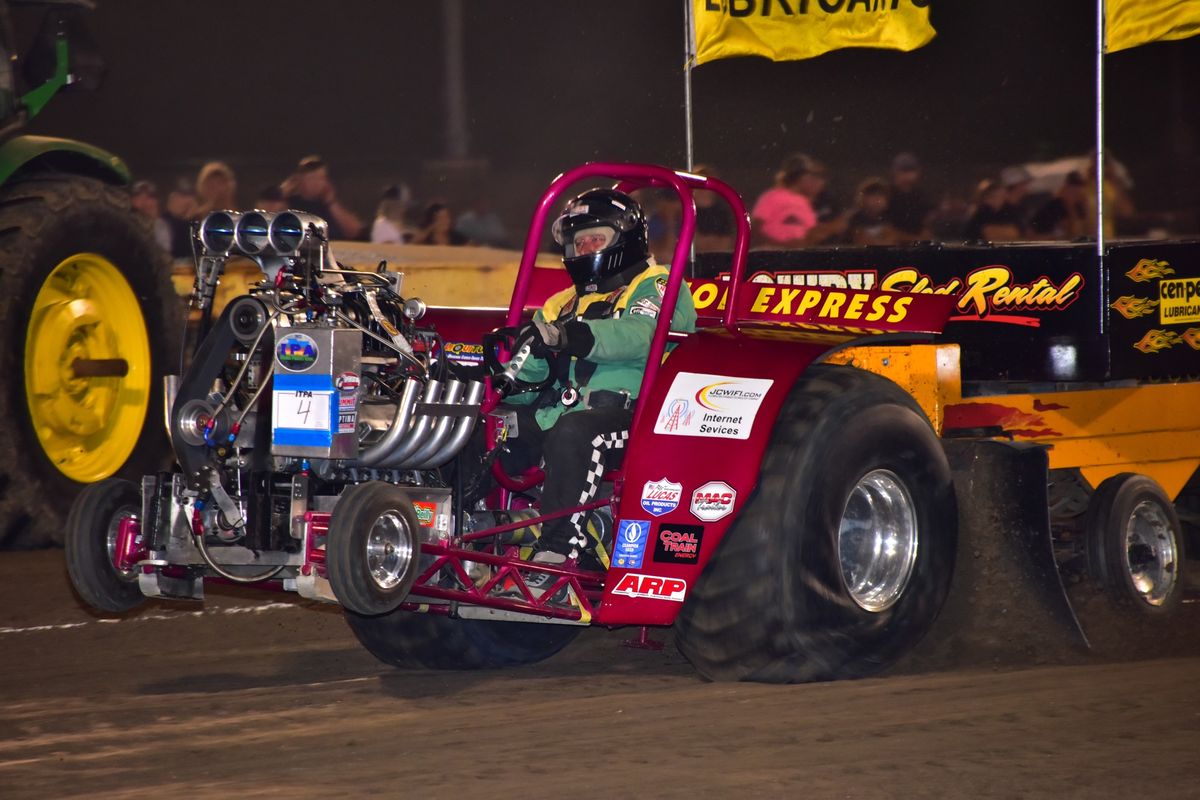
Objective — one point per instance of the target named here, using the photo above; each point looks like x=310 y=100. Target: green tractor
x=87 y=316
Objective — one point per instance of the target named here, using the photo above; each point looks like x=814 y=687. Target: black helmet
x=616 y=221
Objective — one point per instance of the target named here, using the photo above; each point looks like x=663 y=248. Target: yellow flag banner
x=1129 y=23
x=788 y=30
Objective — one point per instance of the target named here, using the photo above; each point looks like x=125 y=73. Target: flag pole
x=689 y=55
x=1100 y=37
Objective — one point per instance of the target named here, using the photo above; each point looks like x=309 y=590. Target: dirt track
x=227 y=701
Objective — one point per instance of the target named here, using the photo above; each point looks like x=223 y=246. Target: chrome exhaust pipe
x=454 y=392
x=419 y=431
x=462 y=431
x=400 y=424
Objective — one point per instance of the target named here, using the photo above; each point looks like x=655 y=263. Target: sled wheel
x=430 y=641
x=91 y=542
x=91 y=321
x=1135 y=544
x=372 y=548
x=842 y=557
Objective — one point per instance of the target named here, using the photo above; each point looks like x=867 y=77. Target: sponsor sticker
x=711 y=406
x=713 y=501
x=464 y=352
x=425 y=513
x=347 y=382
x=629 y=548
x=1179 y=301
x=296 y=352
x=651 y=586
x=645 y=308
x=678 y=544
x=661 y=496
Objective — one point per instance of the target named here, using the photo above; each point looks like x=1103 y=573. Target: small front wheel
x=372 y=548
x=93 y=535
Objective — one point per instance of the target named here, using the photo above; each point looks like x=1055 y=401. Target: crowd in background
x=798 y=210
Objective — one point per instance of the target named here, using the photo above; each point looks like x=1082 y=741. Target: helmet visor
x=585 y=241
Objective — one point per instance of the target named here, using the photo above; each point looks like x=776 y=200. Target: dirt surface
x=255 y=695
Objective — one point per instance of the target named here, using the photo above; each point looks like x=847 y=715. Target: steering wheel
x=504 y=377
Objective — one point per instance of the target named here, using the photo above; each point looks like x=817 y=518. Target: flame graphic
x=1131 y=307
x=1191 y=337
x=1148 y=269
x=1157 y=340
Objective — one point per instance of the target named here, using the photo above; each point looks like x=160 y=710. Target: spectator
x=869 y=223
x=437 y=227
x=715 y=228
x=391 y=218
x=143 y=196
x=949 y=219
x=481 y=224
x=1118 y=206
x=784 y=214
x=991 y=220
x=1064 y=216
x=180 y=210
x=271 y=198
x=216 y=189
x=310 y=189
x=1017 y=201
x=908 y=208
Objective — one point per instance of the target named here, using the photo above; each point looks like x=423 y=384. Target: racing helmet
x=603 y=237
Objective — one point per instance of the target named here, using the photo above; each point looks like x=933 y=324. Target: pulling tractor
x=88 y=315
x=809 y=476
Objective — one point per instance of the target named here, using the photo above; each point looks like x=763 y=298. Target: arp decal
x=629 y=548
x=712 y=406
x=713 y=501
x=1180 y=301
x=653 y=587
x=661 y=496
x=678 y=544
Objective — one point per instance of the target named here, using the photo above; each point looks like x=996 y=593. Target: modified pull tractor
x=792 y=513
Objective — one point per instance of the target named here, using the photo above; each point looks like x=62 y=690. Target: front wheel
x=372 y=548
x=92 y=536
x=852 y=530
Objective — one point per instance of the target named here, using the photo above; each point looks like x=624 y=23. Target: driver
x=593 y=339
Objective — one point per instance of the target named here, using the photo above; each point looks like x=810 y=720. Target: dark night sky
x=553 y=83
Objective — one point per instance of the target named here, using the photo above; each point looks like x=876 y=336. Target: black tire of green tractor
x=89 y=563
x=771 y=605
x=351 y=526
x=44 y=221
x=411 y=640
x=1110 y=508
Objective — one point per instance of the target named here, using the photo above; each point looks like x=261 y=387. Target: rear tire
x=372 y=549
x=429 y=641
x=847 y=444
x=1135 y=545
x=83 y=432
x=90 y=539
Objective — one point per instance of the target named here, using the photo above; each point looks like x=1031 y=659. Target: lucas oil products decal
x=661 y=496
x=630 y=544
x=711 y=406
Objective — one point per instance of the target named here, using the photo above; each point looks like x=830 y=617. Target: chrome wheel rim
x=877 y=540
x=1150 y=553
x=389 y=550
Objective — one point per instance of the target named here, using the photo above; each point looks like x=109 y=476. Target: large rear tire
x=91 y=539
x=843 y=556
x=429 y=641
x=83 y=280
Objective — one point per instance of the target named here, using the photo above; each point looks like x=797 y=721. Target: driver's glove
x=572 y=337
